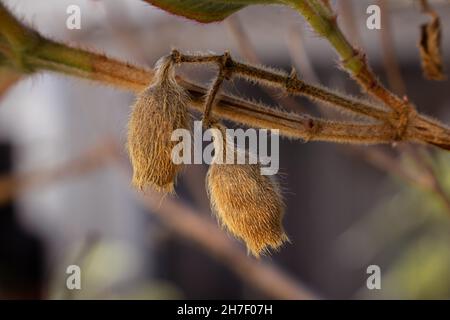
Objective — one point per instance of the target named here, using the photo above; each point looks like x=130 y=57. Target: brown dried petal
x=430 y=50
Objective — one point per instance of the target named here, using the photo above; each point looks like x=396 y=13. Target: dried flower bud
x=158 y=111
x=247 y=203
x=430 y=50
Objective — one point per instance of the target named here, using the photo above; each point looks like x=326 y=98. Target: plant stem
x=88 y=65
x=289 y=83
x=397 y=83
x=390 y=61
x=14 y=32
x=248 y=52
x=61 y=58
x=75 y=62
x=262 y=275
x=352 y=60
x=212 y=93
x=50 y=55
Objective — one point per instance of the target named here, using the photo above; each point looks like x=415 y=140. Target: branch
x=397 y=83
x=323 y=21
x=391 y=65
x=346 y=12
x=95 y=158
x=50 y=55
x=248 y=52
x=289 y=83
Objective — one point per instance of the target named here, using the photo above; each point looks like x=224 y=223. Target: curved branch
x=46 y=54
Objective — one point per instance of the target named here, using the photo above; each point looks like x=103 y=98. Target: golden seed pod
x=158 y=111
x=248 y=204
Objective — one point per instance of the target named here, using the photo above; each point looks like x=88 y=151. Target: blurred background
x=65 y=178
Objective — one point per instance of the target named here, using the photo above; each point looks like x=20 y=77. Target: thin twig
x=266 y=277
x=289 y=83
x=428 y=180
x=407 y=125
x=49 y=55
x=397 y=83
x=8 y=78
x=248 y=52
x=299 y=54
x=435 y=186
x=89 y=243
x=387 y=163
x=242 y=39
x=215 y=87
x=93 y=159
x=324 y=23
x=391 y=65
x=426 y=7
x=349 y=20
x=430 y=46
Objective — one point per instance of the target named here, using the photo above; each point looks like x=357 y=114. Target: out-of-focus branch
x=89 y=243
x=299 y=55
x=323 y=20
x=426 y=179
x=264 y=276
x=349 y=20
x=242 y=39
x=247 y=50
x=430 y=46
x=49 y=55
x=397 y=84
x=388 y=163
x=391 y=65
x=375 y=156
x=12 y=185
x=420 y=158
x=7 y=79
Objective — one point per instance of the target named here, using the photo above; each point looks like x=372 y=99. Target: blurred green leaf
x=409 y=236
x=206 y=10
x=422 y=271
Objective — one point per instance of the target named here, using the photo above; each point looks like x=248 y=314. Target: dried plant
x=162 y=107
x=247 y=203
x=401 y=122
x=158 y=111
x=430 y=45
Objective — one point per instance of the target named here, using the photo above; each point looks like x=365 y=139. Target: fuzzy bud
x=247 y=203
x=158 y=111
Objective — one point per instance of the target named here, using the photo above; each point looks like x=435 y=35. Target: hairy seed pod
x=247 y=203
x=158 y=111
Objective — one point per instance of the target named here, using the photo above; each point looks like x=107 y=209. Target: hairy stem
x=325 y=24
x=89 y=65
x=290 y=83
x=390 y=61
x=49 y=55
x=212 y=93
x=249 y=53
